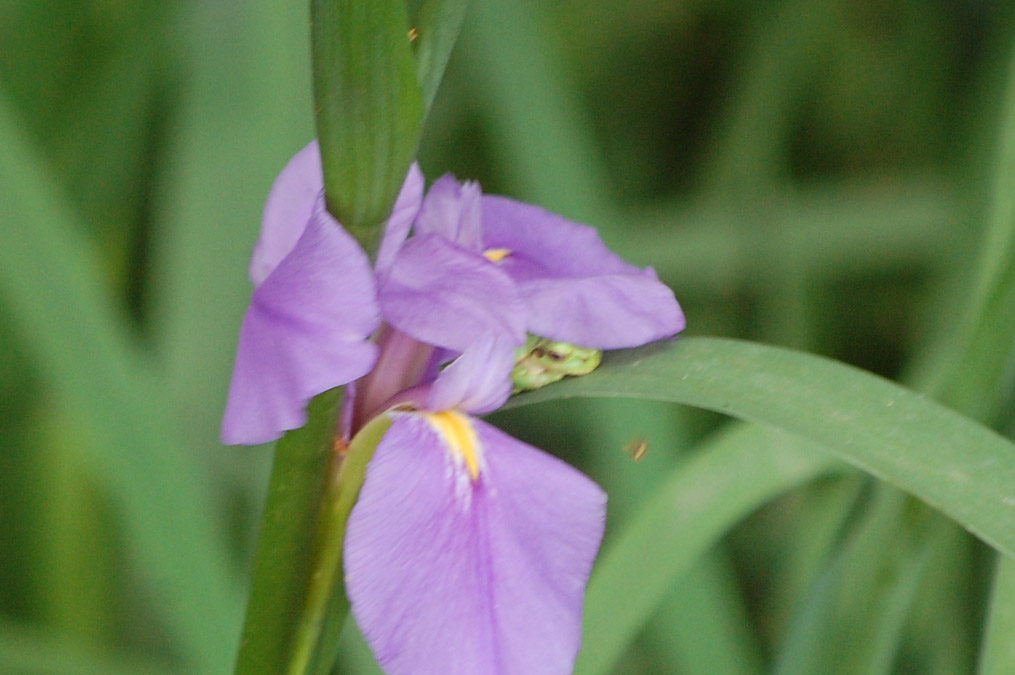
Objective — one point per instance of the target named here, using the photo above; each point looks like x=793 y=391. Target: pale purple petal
x=403 y=365
x=448 y=576
x=402 y=216
x=543 y=244
x=290 y=204
x=479 y=380
x=305 y=332
x=452 y=210
x=575 y=289
x=604 y=312
x=443 y=295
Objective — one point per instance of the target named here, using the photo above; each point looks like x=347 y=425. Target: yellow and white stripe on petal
x=496 y=254
x=459 y=436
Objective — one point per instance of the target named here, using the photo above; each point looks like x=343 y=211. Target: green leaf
x=945 y=459
x=852 y=620
x=703 y=625
x=998 y=654
x=785 y=47
x=437 y=24
x=247 y=110
x=701 y=500
x=982 y=376
x=369 y=108
x=83 y=349
x=533 y=109
x=27 y=649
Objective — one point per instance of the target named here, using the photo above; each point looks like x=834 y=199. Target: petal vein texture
x=448 y=576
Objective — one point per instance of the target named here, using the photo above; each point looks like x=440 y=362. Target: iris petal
x=575 y=289
x=549 y=244
x=443 y=295
x=300 y=337
x=292 y=200
x=479 y=380
x=290 y=205
x=402 y=216
x=611 y=311
x=452 y=210
x=448 y=575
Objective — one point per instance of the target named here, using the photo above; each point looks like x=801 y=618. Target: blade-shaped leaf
x=701 y=500
x=852 y=619
x=437 y=26
x=945 y=459
x=82 y=348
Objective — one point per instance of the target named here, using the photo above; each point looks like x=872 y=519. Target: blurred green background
x=809 y=173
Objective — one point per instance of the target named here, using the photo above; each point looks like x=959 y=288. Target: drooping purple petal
x=443 y=295
x=545 y=244
x=606 y=312
x=575 y=289
x=452 y=210
x=450 y=576
x=479 y=380
x=305 y=332
x=290 y=205
x=402 y=216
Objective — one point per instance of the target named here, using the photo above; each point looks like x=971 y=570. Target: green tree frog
x=541 y=361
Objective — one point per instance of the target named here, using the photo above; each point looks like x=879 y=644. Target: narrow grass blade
x=952 y=463
x=701 y=500
x=83 y=349
x=437 y=26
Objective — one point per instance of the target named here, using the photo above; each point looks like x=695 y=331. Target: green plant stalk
x=282 y=563
x=326 y=605
x=368 y=105
x=369 y=113
x=982 y=375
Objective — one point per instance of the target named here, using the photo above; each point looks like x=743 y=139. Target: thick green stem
x=285 y=554
x=368 y=105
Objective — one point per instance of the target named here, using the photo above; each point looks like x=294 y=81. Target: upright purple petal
x=443 y=295
x=290 y=205
x=305 y=332
x=402 y=216
x=479 y=380
x=452 y=210
x=605 y=312
x=452 y=576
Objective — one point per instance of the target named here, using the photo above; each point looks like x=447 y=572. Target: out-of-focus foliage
x=818 y=175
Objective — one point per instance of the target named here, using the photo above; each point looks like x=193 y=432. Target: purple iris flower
x=468 y=551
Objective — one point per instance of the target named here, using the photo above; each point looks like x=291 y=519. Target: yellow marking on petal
x=457 y=431
x=496 y=254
